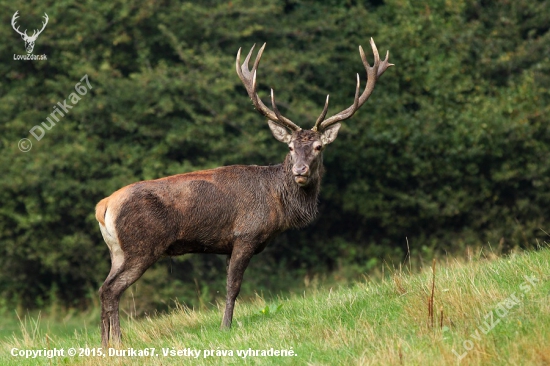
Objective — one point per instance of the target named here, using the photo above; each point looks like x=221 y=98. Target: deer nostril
x=300 y=170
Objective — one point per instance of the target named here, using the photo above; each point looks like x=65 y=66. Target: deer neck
x=299 y=204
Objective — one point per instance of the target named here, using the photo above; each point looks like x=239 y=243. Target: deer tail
x=100 y=210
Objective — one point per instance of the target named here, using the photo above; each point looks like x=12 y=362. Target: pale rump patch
x=109 y=235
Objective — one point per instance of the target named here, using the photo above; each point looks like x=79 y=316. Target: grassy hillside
x=496 y=311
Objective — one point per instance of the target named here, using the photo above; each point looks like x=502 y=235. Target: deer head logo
x=29 y=40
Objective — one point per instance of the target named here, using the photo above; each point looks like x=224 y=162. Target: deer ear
x=279 y=132
x=329 y=135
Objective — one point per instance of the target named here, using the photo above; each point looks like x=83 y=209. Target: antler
x=248 y=77
x=34 y=35
x=373 y=73
x=15 y=16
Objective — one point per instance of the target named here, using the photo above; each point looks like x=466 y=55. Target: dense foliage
x=450 y=151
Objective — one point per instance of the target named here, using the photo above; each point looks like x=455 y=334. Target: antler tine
x=275 y=109
x=237 y=63
x=322 y=116
x=248 y=77
x=247 y=59
x=258 y=57
x=385 y=64
x=373 y=73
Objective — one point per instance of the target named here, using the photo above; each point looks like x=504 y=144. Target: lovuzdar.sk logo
x=29 y=40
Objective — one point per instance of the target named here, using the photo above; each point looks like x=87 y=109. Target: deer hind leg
x=117 y=260
x=116 y=283
x=236 y=265
x=125 y=270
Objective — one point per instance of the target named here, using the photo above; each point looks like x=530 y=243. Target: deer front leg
x=236 y=265
x=227 y=261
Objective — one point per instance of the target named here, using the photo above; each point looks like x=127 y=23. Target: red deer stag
x=233 y=210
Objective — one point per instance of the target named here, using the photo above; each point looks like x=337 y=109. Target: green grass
x=369 y=323
x=63 y=325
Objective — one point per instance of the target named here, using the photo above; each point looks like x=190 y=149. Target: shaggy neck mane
x=299 y=203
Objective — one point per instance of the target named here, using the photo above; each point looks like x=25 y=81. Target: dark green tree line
x=450 y=151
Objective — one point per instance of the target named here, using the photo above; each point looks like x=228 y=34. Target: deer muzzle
x=301 y=174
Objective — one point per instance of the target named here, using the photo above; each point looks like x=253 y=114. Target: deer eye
x=318 y=147
x=290 y=148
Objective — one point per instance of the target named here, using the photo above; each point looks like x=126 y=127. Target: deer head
x=306 y=146
x=29 y=40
